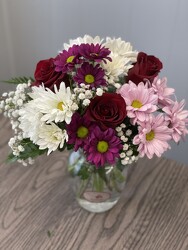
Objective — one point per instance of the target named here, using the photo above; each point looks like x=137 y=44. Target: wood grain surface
x=38 y=210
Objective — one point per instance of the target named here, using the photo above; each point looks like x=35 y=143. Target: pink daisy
x=153 y=136
x=140 y=100
x=103 y=147
x=178 y=119
x=90 y=75
x=79 y=131
x=94 y=52
x=162 y=91
x=66 y=60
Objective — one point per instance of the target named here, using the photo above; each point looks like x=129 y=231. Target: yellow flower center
x=82 y=132
x=136 y=104
x=89 y=78
x=70 y=59
x=102 y=146
x=150 y=136
x=60 y=106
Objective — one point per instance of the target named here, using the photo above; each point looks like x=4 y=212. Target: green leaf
x=160 y=110
x=111 y=89
x=70 y=146
x=61 y=125
x=84 y=172
x=30 y=150
x=11 y=158
x=18 y=80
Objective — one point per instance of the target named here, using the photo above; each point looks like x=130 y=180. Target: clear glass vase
x=97 y=190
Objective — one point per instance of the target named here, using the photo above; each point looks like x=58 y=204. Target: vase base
x=97 y=207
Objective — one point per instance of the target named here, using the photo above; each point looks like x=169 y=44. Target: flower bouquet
x=102 y=100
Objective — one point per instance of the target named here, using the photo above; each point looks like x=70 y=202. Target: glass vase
x=97 y=190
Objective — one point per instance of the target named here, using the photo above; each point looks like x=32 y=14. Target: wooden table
x=38 y=209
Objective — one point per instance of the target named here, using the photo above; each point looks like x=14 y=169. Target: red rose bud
x=108 y=110
x=146 y=68
x=45 y=74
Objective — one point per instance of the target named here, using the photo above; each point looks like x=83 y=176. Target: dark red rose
x=45 y=73
x=147 y=67
x=108 y=110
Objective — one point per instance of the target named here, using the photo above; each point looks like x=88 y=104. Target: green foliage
x=111 y=89
x=61 y=125
x=70 y=146
x=11 y=158
x=160 y=110
x=84 y=172
x=31 y=150
x=18 y=80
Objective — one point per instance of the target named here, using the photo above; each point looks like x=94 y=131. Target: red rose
x=109 y=110
x=147 y=67
x=45 y=73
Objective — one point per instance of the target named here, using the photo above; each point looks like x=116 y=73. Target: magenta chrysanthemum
x=103 y=147
x=94 y=52
x=153 y=136
x=79 y=131
x=140 y=100
x=90 y=75
x=178 y=119
x=66 y=60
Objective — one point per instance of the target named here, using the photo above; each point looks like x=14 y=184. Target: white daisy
x=118 y=66
x=85 y=39
x=121 y=48
x=122 y=58
x=55 y=106
x=30 y=121
x=51 y=137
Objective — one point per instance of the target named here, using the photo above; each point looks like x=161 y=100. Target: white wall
x=34 y=30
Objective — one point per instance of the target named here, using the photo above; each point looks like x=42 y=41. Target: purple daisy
x=103 y=147
x=66 y=60
x=79 y=131
x=89 y=74
x=94 y=52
